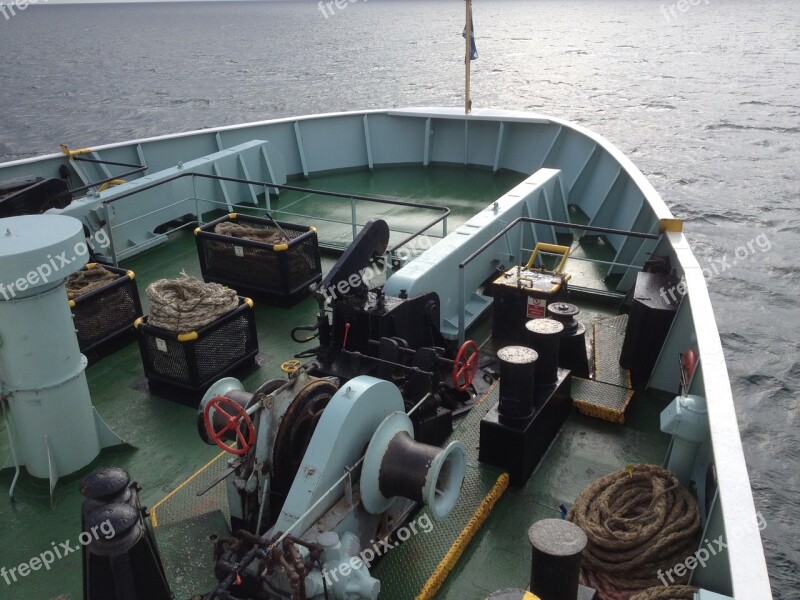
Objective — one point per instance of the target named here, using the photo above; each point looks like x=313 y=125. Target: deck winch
x=395 y=338
x=305 y=496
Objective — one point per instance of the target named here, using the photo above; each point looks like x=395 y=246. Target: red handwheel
x=465 y=365
x=232 y=423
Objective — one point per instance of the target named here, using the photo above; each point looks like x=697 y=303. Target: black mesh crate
x=279 y=273
x=193 y=360
x=106 y=315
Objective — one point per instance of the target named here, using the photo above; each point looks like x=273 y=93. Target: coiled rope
x=672 y=592
x=640 y=523
x=87 y=280
x=186 y=303
x=247 y=232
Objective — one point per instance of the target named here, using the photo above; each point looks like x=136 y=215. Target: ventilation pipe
x=54 y=429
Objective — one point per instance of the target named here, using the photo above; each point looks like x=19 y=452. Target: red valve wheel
x=465 y=365
x=232 y=423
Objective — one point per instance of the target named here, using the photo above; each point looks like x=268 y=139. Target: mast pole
x=468 y=58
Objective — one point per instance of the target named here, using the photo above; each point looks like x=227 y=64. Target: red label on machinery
x=536 y=308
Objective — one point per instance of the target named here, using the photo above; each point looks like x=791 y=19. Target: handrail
x=443 y=210
x=518 y=220
x=137 y=168
x=462 y=292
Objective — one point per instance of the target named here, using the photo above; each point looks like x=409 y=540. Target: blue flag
x=473 y=50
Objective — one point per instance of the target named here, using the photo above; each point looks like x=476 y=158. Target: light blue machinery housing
x=53 y=428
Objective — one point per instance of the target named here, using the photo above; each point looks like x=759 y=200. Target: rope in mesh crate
x=186 y=303
x=87 y=280
x=256 y=234
x=672 y=592
x=639 y=521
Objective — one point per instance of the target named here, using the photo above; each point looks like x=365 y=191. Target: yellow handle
x=290 y=366
x=553 y=249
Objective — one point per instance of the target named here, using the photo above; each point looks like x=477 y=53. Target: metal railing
x=134 y=168
x=409 y=235
x=462 y=291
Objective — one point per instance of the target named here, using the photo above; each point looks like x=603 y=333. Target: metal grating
x=404 y=571
x=608 y=394
x=183 y=503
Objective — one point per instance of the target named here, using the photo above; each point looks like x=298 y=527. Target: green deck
x=165 y=449
x=499 y=555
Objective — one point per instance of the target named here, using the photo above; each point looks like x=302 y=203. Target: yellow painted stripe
x=530 y=596
x=450 y=559
x=153 y=511
x=486 y=394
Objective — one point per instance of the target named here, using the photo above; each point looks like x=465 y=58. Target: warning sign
x=536 y=308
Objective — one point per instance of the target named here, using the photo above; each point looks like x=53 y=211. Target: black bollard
x=556 y=560
x=544 y=336
x=517 y=378
x=105 y=486
x=572 y=353
x=122 y=560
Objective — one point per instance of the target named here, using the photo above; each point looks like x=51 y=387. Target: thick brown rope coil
x=88 y=280
x=186 y=304
x=672 y=592
x=640 y=522
x=246 y=232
